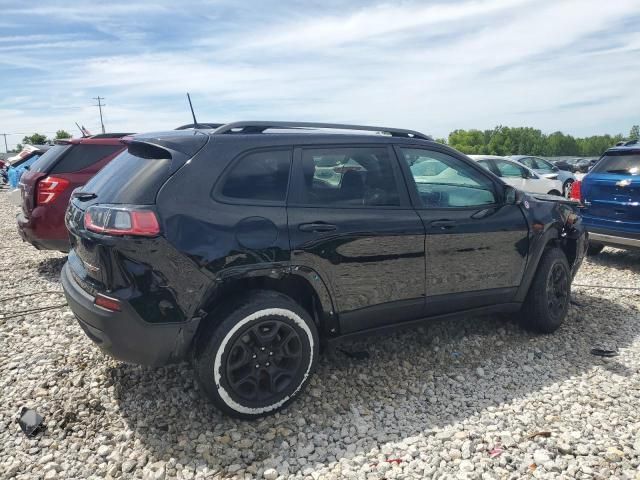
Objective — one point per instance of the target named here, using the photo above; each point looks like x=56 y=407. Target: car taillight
x=49 y=188
x=121 y=221
x=575 y=193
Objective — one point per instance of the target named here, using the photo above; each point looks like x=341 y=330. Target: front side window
x=261 y=176
x=452 y=183
x=509 y=170
x=349 y=176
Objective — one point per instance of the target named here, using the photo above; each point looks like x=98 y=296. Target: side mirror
x=512 y=196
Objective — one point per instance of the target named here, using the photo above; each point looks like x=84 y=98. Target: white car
x=518 y=176
x=546 y=169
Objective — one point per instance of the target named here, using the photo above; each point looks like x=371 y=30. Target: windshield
x=625 y=164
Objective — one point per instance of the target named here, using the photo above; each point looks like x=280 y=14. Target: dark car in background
x=46 y=187
x=610 y=193
x=247 y=247
x=568 y=164
x=585 y=164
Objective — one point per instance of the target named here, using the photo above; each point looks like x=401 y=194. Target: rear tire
x=260 y=355
x=594 y=249
x=555 y=192
x=547 y=302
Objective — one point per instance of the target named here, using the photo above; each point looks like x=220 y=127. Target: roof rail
x=260 y=127
x=200 y=125
x=631 y=142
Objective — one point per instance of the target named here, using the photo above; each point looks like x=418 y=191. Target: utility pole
x=6 y=148
x=100 y=105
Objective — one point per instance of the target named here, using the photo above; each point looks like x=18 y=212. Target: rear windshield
x=49 y=158
x=83 y=156
x=625 y=164
x=129 y=179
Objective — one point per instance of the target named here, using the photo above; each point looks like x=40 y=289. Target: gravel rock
x=427 y=403
x=270 y=474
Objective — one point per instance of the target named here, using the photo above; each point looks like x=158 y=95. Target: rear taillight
x=49 y=188
x=121 y=221
x=575 y=193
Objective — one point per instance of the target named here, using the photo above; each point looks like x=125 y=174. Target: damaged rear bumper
x=124 y=335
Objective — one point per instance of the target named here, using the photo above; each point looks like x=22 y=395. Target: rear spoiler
x=186 y=145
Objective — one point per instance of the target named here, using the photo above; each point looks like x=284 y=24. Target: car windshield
x=623 y=164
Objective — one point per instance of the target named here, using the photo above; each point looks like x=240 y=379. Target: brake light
x=49 y=188
x=121 y=221
x=576 y=193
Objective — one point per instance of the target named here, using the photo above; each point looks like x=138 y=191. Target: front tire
x=554 y=192
x=547 y=302
x=259 y=357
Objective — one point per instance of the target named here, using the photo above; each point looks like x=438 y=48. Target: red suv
x=46 y=187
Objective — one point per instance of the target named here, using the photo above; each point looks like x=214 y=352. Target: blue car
x=610 y=193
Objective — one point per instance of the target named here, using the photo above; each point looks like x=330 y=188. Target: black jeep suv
x=249 y=246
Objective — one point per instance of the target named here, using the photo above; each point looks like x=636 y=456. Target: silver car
x=547 y=169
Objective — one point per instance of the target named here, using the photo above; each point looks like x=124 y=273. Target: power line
x=100 y=105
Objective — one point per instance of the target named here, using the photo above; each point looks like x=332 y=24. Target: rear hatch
x=611 y=191
x=131 y=181
x=65 y=167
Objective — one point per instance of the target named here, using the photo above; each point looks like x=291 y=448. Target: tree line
x=40 y=139
x=499 y=141
x=530 y=141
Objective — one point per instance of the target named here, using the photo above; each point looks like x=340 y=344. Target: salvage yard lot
x=460 y=398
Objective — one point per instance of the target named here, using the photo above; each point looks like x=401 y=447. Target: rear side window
x=619 y=164
x=49 y=158
x=83 y=156
x=259 y=176
x=349 y=177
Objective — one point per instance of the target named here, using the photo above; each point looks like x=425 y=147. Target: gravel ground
x=457 y=399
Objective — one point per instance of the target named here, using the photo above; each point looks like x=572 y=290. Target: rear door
x=611 y=191
x=355 y=227
x=476 y=245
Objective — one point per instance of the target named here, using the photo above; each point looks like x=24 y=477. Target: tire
x=258 y=355
x=566 y=188
x=554 y=192
x=547 y=302
x=594 y=249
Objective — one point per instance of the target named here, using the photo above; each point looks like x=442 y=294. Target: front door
x=350 y=220
x=476 y=245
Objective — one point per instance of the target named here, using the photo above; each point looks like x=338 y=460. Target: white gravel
x=473 y=398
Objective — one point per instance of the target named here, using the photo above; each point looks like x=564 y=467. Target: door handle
x=443 y=224
x=316 y=227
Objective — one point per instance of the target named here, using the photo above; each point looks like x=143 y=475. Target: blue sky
x=433 y=66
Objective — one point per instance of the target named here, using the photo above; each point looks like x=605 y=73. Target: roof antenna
x=195 y=122
x=81 y=130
